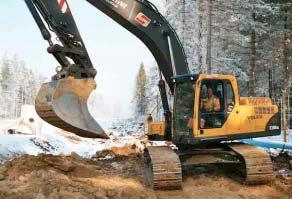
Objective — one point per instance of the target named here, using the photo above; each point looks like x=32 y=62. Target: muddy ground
x=118 y=173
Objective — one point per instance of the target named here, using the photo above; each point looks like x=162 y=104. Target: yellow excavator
x=207 y=115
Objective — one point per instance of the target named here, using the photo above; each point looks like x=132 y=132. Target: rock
x=22 y=178
x=40 y=195
x=65 y=167
x=2 y=169
x=75 y=156
x=60 y=163
x=2 y=177
x=8 y=164
x=116 y=192
x=107 y=157
x=115 y=165
x=105 y=154
x=111 y=193
x=95 y=167
x=62 y=154
x=100 y=195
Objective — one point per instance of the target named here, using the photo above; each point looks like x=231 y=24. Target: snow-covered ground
x=49 y=139
x=56 y=141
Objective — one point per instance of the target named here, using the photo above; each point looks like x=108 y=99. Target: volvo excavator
x=202 y=135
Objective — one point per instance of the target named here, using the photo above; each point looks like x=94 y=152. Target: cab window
x=183 y=107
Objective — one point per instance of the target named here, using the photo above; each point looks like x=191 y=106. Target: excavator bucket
x=63 y=103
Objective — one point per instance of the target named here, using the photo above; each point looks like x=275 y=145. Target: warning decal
x=142 y=19
x=63 y=6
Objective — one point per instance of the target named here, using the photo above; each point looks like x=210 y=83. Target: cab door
x=217 y=106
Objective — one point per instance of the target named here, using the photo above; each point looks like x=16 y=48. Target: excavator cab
x=207 y=108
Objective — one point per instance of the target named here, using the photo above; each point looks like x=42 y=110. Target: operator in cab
x=209 y=104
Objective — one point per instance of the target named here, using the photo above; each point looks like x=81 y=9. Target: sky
x=116 y=53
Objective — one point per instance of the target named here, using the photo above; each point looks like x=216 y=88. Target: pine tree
x=18 y=86
x=7 y=86
x=140 y=99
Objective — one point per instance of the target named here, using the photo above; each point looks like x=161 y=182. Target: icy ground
x=48 y=139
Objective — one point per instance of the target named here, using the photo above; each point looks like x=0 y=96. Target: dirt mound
x=48 y=176
x=118 y=176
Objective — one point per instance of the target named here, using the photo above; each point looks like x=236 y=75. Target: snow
x=11 y=145
x=55 y=141
x=7 y=124
x=49 y=139
x=26 y=124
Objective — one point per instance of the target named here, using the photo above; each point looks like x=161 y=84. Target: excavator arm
x=71 y=45
x=140 y=17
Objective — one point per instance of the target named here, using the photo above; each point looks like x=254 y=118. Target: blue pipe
x=269 y=144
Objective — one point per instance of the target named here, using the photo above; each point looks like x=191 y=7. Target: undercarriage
x=246 y=163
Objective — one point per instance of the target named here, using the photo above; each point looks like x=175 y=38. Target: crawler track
x=258 y=168
x=166 y=168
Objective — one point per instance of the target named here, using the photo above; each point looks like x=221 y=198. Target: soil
x=117 y=173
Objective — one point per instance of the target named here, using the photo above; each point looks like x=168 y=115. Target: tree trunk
x=285 y=85
x=199 y=38
x=209 y=36
x=252 y=61
x=287 y=71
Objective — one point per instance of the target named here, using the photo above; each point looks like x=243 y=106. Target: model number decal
x=254 y=117
x=142 y=19
x=117 y=3
x=274 y=127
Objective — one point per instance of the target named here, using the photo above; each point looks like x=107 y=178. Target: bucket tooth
x=63 y=103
